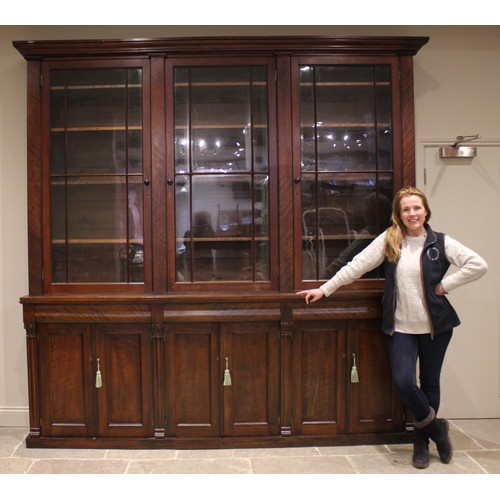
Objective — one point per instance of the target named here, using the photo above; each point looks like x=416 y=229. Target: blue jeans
x=404 y=351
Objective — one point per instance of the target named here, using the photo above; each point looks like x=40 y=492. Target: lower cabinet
x=95 y=380
x=222 y=379
x=342 y=379
x=214 y=383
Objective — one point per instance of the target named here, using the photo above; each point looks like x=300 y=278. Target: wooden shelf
x=344 y=84
x=109 y=128
x=97 y=87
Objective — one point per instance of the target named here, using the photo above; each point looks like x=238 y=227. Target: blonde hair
x=396 y=233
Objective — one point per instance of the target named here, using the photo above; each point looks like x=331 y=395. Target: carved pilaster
x=286 y=334
x=30 y=330
x=157 y=332
x=158 y=338
x=286 y=328
x=32 y=352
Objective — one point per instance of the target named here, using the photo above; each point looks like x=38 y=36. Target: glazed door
x=97 y=176
x=221 y=174
x=346 y=143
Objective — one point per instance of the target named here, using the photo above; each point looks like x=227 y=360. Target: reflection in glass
x=221 y=118
x=342 y=214
x=96 y=176
x=377 y=212
x=221 y=182
x=346 y=163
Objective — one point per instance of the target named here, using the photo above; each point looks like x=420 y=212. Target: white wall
x=457 y=81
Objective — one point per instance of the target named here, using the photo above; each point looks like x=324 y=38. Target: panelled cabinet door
x=373 y=402
x=250 y=363
x=319 y=378
x=123 y=380
x=192 y=377
x=66 y=380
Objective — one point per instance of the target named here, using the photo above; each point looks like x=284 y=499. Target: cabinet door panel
x=192 y=380
x=374 y=405
x=251 y=402
x=125 y=398
x=65 y=377
x=319 y=378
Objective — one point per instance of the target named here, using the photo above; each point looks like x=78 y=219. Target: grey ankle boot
x=420 y=449
x=438 y=430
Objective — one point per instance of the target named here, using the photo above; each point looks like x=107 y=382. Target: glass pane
x=182 y=148
x=307 y=119
x=384 y=116
x=261 y=221
x=96 y=121
x=345 y=118
x=222 y=221
x=227 y=235
x=96 y=176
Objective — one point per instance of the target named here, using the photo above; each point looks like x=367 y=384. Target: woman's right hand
x=312 y=295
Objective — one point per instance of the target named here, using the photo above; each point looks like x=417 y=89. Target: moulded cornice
x=43 y=49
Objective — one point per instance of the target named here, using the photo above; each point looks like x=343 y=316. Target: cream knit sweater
x=411 y=314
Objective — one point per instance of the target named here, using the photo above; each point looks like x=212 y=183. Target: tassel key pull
x=227 y=375
x=98 y=376
x=354 y=371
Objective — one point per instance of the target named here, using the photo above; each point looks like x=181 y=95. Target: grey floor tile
x=14 y=465
x=11 y=438
x=488 y=460
x=79 y=467
x=191 y=466
x=400 y=462
x=59 y=453
x=141 y=454
x=353 y=450
x=303 y=465
x=250 y=453
x=484 y=433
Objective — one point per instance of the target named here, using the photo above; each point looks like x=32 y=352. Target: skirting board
x=14 y=416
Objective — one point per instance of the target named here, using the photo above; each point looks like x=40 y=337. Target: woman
x=417 y=317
